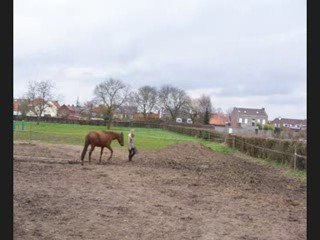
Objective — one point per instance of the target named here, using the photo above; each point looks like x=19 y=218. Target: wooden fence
x=292 y=153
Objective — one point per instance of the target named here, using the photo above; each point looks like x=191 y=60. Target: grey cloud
x=245 y=48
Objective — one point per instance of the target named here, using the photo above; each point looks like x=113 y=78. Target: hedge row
x=60 y=120
x=206 y=134
x=278 y=150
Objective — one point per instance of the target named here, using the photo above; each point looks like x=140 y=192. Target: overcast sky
x=244 y=53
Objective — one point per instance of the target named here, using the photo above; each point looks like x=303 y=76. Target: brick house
x=68 y=112
x=289 y=123
x=248 y=117
x=125 y=112
x=140 y=116
x=219 y=119
x=121 y=113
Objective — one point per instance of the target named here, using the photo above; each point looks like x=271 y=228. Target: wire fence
x=156 y=139
x=292 y=159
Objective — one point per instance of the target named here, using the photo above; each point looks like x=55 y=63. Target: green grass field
x=146 y=138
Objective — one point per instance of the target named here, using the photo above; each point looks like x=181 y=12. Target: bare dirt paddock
x=185 y=191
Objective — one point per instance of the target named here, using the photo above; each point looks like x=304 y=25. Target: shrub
x=268 y=127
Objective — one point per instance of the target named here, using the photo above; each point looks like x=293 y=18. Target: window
x=179 y=120
x=245 y=120
x=263 y=121
x=240 y=120
x=253 y=122
x=258 y=120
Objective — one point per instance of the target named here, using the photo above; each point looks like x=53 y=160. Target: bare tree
x=173 y=100
x=23 y=106
x=86 y=109
x=193 y=109
x=228 y=113
x=198 y=108
x=205 y=103
x=111 y=94
x=146 y=99
x=38 y=96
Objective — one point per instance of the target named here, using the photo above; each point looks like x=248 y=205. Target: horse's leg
x=133 y=152
x=109 y=147
x=91 y=150
x=130 y=154
x=101 y=154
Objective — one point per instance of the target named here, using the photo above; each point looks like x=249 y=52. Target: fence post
x=295 y=158
x=30 y=133
x=242 y=146
x=234 y=142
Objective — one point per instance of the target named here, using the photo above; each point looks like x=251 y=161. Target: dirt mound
x=183 y=155
x=222 y=168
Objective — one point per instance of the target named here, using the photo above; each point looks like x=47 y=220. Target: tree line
x=112 y=95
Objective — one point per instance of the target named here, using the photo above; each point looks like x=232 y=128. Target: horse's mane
x=111 y=132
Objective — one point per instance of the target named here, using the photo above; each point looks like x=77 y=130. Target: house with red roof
x=68 y=112
x=219 y=119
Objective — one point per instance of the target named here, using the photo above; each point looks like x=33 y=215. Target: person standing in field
x=131 y=146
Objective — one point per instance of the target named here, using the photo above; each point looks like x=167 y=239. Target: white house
x=51 y=110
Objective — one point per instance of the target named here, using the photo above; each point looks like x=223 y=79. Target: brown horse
x=100 y=139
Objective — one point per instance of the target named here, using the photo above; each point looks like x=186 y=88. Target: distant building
x=17 y=107
x=51 y=108
x=125 y=113
x=248 y=117
x=164 y=113
x=219 y=119
x=140 y=116
x=289 y=123
x=68 y=112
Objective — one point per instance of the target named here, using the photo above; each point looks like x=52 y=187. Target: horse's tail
x=84 y=151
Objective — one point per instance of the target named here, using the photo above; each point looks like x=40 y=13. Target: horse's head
x=120 y=139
